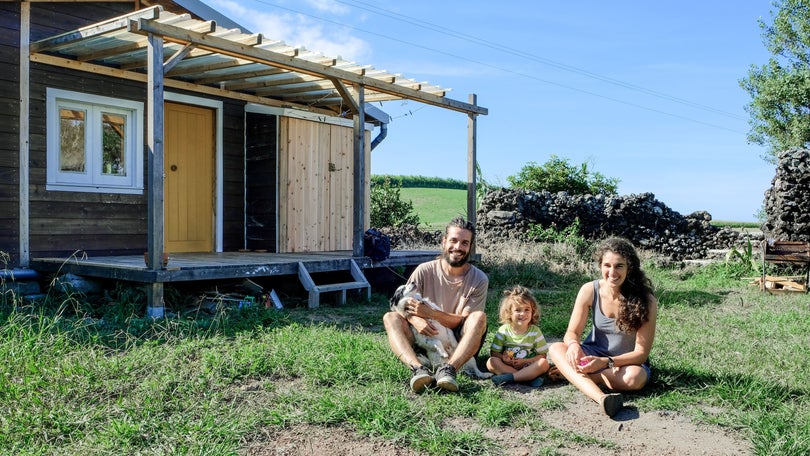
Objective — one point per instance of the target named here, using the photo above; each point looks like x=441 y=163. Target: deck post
x=359 y=220
x=154 y=298
x=155 y=165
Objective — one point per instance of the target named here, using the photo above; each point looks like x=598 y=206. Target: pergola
x=167 y=50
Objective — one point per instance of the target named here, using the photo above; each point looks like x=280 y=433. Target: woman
x=615 y=353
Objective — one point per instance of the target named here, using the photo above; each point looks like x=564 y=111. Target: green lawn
x=436 y=206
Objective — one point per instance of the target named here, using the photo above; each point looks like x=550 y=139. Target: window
x=95 y=143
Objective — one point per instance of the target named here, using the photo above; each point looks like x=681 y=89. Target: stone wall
x=787 y=201
x=647 y=222
x=510 y=214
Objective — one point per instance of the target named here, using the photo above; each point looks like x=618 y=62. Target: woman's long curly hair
x=636 y=289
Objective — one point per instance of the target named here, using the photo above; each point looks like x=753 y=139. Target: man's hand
x=419 y=309
x=423 y=326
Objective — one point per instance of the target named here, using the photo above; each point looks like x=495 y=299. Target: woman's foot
x=554 y=375
x=611 y=403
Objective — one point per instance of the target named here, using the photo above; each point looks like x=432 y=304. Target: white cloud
x=299 y=30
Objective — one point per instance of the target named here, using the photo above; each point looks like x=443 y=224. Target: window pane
x=71 y=140
x=113 y=144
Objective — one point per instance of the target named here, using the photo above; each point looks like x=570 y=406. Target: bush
x=388 y=209
x=559 y=175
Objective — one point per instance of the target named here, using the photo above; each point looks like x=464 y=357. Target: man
x=460 y=290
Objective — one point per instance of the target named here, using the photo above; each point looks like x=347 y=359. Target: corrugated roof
x=203 y=56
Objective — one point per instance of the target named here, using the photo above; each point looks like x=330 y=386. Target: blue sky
x=645 y=92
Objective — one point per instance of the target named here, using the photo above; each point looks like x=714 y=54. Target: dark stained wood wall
x=9 y=131
x=261 y=134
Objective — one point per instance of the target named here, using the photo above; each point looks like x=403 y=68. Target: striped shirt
x=520 y=346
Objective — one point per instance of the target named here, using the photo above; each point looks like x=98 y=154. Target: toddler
x=518 y=351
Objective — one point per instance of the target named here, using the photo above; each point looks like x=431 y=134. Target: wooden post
x=25 y=107
x=472 y=150
x=155 y=307
x=359 y=220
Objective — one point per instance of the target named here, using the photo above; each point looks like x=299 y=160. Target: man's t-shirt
x=454 y=294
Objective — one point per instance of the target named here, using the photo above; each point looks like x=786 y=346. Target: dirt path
x=578 y=428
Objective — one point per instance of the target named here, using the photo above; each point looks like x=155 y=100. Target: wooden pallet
x=785 y=252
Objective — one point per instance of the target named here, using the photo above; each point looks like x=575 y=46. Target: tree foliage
x=780 y=90
x=387 y=207
x=559 y=175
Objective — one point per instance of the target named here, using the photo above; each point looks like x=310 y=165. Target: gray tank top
x=605 y=337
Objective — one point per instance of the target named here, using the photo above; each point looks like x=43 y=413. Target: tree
x=388 y=209
x=559 y=175
x=780 y=89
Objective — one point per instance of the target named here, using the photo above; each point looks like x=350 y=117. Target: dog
x=438 y=347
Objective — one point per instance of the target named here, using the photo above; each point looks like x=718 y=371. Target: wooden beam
x=133 y=76
x=344 y=92
x=259 y=55
x=100 y=28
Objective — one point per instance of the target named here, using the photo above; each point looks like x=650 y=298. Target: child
x=518 y=351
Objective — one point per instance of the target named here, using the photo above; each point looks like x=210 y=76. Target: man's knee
x=475 y=322
x=395 y=323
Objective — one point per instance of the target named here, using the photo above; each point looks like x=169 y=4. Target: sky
x=644 y=92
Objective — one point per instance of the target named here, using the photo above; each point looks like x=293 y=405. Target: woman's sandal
x=554 y=374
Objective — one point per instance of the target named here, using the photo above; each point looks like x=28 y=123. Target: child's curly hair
x=514 y=295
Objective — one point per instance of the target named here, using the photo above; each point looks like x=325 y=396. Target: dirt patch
x=575 y=428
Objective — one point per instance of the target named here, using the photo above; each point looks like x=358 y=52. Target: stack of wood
x=779 y=284
x=793 y=253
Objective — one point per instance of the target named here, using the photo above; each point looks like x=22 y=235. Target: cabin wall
x=9 y=134
x=316 y=186
x=63 y=222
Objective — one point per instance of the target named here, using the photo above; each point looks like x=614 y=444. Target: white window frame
x=93 y=179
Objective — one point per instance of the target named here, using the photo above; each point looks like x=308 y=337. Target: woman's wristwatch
x=610 y=363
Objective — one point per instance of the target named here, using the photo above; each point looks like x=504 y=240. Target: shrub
x=388 y=209
x=559 y=175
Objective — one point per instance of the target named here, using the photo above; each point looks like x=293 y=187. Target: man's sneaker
x=446 y=378
x=420 y=378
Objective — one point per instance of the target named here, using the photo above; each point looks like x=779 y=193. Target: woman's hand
x=574 y=354
x=590 y=364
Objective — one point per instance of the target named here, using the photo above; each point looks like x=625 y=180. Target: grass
x=725 y=354
x=436 y=206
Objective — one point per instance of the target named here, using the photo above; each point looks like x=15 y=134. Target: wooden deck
x=184 y=267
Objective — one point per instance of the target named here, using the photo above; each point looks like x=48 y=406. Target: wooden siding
x=315 y=186
x=9 y=131
x=261 y=137
x=233 y=157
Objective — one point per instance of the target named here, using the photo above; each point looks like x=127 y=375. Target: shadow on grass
x=690 y=298
x=669 y=387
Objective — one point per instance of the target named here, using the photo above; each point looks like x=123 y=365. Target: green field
x=436 y=206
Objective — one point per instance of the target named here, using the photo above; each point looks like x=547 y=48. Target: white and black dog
x=438 y=347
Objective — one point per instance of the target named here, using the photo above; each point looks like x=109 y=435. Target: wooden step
x=315 y=290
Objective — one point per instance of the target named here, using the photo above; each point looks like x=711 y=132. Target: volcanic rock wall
x=787 y=202
x=647 y=222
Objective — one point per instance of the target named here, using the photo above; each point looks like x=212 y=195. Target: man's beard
x=460 y=262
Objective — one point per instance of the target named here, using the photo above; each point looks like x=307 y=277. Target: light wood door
x=189 y=178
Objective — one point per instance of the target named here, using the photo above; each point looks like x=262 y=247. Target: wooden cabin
x=134 y=129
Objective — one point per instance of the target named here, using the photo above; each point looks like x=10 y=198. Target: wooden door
x=189 y=178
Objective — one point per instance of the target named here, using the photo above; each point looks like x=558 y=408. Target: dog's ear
x=397 y=295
